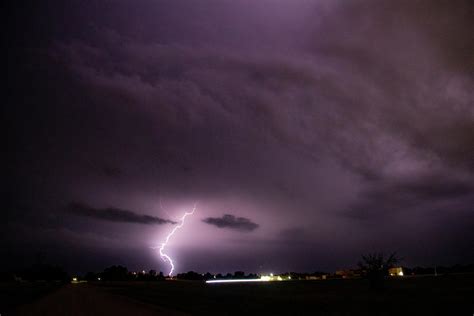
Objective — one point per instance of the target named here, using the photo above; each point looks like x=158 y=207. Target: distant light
x=279 y=278
x=143 y=271
x=289 y=277
x=271 y=274
x=400 y=273
x=74 y=279
x=98 y=279
x=262 y=279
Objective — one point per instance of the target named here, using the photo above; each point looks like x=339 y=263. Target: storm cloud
x=346 y=124
x=231 y=222
x=115 y=215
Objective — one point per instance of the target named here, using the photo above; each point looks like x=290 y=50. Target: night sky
x=308 y=132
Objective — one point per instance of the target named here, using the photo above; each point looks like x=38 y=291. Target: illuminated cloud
x=231 y=222
x=340 y=126
x=115 y=215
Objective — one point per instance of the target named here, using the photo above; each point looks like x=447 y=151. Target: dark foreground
x=442 y=295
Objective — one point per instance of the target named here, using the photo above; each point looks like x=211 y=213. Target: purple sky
x=309 y=133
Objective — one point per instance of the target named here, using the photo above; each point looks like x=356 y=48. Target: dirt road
x=83 y=299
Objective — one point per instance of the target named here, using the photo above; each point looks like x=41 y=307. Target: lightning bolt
x=163 y=255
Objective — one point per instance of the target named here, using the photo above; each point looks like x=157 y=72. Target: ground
x=85 y=299
x=441 y=295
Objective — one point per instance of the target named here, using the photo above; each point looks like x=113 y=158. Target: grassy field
x=13 y=294
x=442 y=295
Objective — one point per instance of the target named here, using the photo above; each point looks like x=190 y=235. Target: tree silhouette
x=115 y=273
x=239 y=274
x=375 y=267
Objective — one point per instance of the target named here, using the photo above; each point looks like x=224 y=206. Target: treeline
x=121 y=273
x=191 y=275
x=442 y=270
x=37 y=272
x=47 y=272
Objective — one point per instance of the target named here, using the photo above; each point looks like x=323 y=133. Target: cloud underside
x=349 y=116
x=112 y=214
x=231 y=222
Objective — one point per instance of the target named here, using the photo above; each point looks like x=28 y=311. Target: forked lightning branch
x=163 y=245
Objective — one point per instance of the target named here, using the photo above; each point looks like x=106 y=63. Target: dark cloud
x=112 y=171
x=294 y=236
x=435 y=187
x=401 y=196
x=300 y=112
x=231 y=222
x=115 y=215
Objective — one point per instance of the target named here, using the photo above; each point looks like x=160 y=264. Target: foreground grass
x=442 y=295
x=14 y=294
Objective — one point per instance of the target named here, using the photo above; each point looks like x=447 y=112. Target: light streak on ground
x=263 y=278
x=163 y=255
x=238 y=280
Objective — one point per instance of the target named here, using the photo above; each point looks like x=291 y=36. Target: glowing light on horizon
x=163 y=255
x=239 y=280
x=263 y=278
